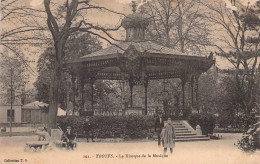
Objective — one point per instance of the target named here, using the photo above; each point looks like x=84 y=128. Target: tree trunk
x=54 y=99
x=55 y=87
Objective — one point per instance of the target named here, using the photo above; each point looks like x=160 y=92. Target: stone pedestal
x=198 y=130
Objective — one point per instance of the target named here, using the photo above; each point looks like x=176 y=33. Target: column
x=92 y=81
x=188 y=97
x=192 y=91
x=197 y=92
x=131 y=85
x=183 y=82
x=82 y=84
x=123 y=93
x=73 y=79
x=67 y=96
x=145 y=96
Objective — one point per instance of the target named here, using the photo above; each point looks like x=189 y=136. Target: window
x=10 y=115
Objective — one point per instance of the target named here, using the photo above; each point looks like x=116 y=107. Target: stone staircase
x=184 y=132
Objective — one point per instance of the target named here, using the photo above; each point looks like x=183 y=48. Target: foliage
x=77 y=46
x=230 y=105
x=209 y=91
x=105 y=94
x=111 y=126
x=20 y=78
x=225 y=119
x=166 y=93
x=235 y=22
x=228 y=130
x=205 y=120
x=247 y=120
x=248 y=141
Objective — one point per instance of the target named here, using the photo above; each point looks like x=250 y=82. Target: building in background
x=37 y=112
x=6 y=114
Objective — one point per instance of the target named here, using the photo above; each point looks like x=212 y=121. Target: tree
x=45 y=67
x=77 y=46
x=20 y=27
x=235 y=22
x=209 y=88
x=11 y=65
x=105 y=94
x=61 y=31
x=178 y=24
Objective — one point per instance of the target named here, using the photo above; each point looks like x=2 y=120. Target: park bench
x=41 y=145
x=36 y=146
x=47 y=143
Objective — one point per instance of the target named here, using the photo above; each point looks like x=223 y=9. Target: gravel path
x=202 y=152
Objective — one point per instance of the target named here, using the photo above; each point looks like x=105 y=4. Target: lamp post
x=11 y=110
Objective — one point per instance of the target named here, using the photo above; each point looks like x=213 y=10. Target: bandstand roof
x=148 y=47
x=158 y=61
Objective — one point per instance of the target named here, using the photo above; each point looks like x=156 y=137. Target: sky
x=110 y=20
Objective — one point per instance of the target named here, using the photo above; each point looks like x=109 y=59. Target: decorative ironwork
x=164 y=75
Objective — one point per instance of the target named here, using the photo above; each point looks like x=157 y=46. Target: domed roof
x=135 y=20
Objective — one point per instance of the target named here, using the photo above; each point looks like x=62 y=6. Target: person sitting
x=69 y=137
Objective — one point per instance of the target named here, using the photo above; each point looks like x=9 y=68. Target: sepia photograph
x=130 y=81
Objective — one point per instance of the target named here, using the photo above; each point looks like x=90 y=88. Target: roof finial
x=134 y=6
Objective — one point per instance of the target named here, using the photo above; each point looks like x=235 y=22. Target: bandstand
x=136 y=61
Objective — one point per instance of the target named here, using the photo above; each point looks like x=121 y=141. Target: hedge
x=111 y=126
x=205 y=120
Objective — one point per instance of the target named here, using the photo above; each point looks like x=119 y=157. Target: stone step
x=183 y=132
x=192 y=139
x=181 y=129
x=180 y=135
x=177 y=124
x=192 y=136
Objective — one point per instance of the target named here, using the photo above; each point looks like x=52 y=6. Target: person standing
x=169 y=136
x=88 y=130
x=159 y=124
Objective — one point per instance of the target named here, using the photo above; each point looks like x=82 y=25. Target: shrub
x=247 y=120
x=205 y=120
x=248 y=141
x=242 y=121
x=225 y=119
x=111 y=126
